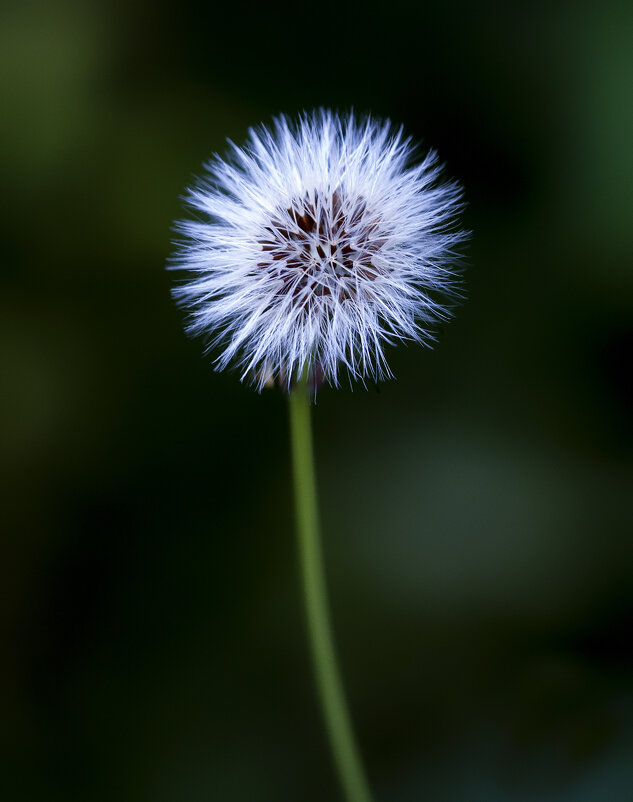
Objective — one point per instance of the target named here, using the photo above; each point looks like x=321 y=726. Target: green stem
x=344 y=749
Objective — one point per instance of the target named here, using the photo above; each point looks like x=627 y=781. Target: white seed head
x=314 y=246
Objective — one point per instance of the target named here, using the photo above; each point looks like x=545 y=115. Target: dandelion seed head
x=314 y=246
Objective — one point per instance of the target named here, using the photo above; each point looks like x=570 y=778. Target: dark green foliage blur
x=477 y=511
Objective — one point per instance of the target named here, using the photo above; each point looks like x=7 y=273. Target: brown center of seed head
x=324 y=249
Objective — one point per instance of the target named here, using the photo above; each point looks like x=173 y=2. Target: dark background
x=477 y=511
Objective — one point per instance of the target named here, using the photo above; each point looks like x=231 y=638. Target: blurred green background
x=477 y=511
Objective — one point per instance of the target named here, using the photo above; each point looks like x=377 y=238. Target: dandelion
x=315 y=246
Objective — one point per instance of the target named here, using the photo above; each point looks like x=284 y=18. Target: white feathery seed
x=314 y=246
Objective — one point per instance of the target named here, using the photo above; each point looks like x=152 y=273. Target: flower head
x=315 y=245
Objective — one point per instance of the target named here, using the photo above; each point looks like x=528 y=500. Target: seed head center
x=322 y=247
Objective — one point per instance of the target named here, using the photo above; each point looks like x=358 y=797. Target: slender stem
x=344 y=749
